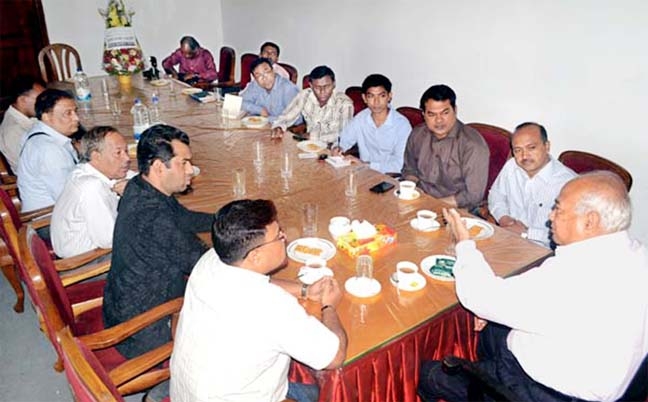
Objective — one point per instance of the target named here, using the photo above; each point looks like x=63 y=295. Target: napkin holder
x=232 y=107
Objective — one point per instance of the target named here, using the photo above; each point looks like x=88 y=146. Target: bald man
x=575 y=327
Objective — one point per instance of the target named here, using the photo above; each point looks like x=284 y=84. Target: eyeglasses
x=281 y=236
x=263 y=76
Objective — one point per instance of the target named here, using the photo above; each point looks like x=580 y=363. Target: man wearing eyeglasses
x=240 y=327
x=268 y=94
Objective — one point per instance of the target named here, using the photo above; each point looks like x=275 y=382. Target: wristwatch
x=304 y=290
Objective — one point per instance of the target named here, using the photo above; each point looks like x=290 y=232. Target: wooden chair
x=7 y=175
x=582 y=162
x=413 y=114
x=55 y=62
x=226 y=67
x=292 y=71
x=355 y=93
x=246 y=62
x=306 y=81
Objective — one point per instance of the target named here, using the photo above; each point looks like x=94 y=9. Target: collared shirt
x=455 y=165
x=155 y=245
x=236 y=335
x=13 y=128
x=528 y=199
x=324 y=123
x=46 y=160
x=274 y=101
x=84 y=215
x=383 y=146
x=587 y=308
x=201 y=64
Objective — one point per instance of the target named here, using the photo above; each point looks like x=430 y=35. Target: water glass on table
x=364 y=267
x=309 y=219
x=258 y=153
x=238 y=182
x=351 y=187
x=286 y=165
x=115 y=108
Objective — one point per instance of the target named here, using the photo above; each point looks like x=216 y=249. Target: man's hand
x=336 y=151
x=479 y=324
x=457 y=225
x=277 y=132
x=512 y=224
x=264 y=112
x=331 y=293
x=120 y=186
x=314 y=291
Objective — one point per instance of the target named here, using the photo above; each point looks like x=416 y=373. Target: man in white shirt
x=574 y=327
x=240 y=327
x=524 y=192
x=85 y=213
x=47 y=156
x=325 y=111
x=19 y=118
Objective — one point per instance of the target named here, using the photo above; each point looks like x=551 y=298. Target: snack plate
x=439 y=267
x=305 y=248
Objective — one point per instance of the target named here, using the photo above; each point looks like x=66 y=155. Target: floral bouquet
x=122 y=53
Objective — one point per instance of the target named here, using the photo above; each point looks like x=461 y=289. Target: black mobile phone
x=382 y=187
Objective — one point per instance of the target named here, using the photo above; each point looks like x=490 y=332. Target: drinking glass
x=115 y=108
x=351 y=188
x=286 y=165
x=258 y=153
x=104 y=88
x=450 y=248
x=238 y=182
x=364 y=267
x=309 y=219
x=172 y=91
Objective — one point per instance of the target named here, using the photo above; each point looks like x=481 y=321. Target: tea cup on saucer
x=407 y=189
x=339 y=226
x=406 y=271
x=426 y=219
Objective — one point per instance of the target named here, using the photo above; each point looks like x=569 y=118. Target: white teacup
x=339 y=226
x=426 y=219
x=407 y=189
x=313 y=270
x=406 y=271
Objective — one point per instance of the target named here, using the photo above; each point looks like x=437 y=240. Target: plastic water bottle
x=82 y=86
x=140 y=118
x=154 y=110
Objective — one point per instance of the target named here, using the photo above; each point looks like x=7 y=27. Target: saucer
x=435 y=226
x=362 y=287
x=417 y=282
x=414 y=196
x=310 y=275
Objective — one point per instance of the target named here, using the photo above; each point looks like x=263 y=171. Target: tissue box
x=354 y=247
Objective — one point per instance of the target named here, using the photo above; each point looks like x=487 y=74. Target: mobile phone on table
x=381 y=187
x=298 y=137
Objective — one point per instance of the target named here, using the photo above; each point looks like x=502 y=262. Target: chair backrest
x=582 y=162
x=306 y=81
x=226 y=65
x=7 y=175
x=355 y=93
x=413 y=114
x=9 y=236
x=11 y=208
x=292 y=71
x=499 y=145
x=55 y=62
x=88 y=379
x=246 y=62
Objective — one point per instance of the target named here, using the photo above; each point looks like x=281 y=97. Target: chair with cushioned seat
x=582 y=162
x=355 y=93
x=413 y=114
x=226 y=67
x=292 y=71
x=246 y=63
x=55 y=62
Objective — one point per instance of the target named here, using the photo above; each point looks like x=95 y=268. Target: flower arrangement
x=122 y=53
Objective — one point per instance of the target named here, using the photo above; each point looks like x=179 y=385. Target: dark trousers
x=496 y=360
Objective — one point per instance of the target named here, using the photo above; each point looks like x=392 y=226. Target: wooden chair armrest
x=66 y=264
x=37 y=213
x=39 y=223
x=140 y=364
x=112 y=336
x=144 y=381
x=81 y=274
x=87 y=305
x=8 y=187
x=9 y=179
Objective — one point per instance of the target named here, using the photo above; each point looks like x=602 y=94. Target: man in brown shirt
x=448 y=160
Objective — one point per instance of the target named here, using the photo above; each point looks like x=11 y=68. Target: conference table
x=390 y=333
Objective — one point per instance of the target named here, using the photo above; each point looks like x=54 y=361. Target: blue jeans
x=303 y=392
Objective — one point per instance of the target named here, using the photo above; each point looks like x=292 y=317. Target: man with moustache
x=47 y=156
x=523 y=194
x=155 y=243
x=446 y=159
x=85 y=213
x=268 y=94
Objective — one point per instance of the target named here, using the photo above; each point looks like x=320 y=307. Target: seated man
x=575 y=327
x=195 y=64
x=155 y=243
x=268 y=94
x=270 y=51
x=84 y=215
x=325 y=111
x=239 y=327
x=379 y=130
x=448 y=160
x=47 y=155
x=523 y=194
x=19 y=117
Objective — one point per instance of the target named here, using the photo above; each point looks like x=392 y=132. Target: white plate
x=327 y=249
x=191 y=90
x=311 y=146
x=362 y=287
x=196 y=170
x=435 y=226
x=160 y=83
x=486 y=228
x=414 y=196
x=417 y=283
x=429 y=262
x=254 y=121
x=310 y=275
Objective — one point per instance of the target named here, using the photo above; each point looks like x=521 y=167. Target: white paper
x=232 y=106
x=120 y=37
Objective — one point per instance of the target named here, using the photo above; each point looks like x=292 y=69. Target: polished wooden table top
x=217 y=150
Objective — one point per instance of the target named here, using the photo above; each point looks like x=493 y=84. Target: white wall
x=579 y=67
x=159 y=25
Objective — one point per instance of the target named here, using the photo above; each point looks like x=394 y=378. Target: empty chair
x=413 y=114
x=306 y=81
x=292 y=71
x=55 y=62
x=355 y=93
x=226 y=67
x=582 y=162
